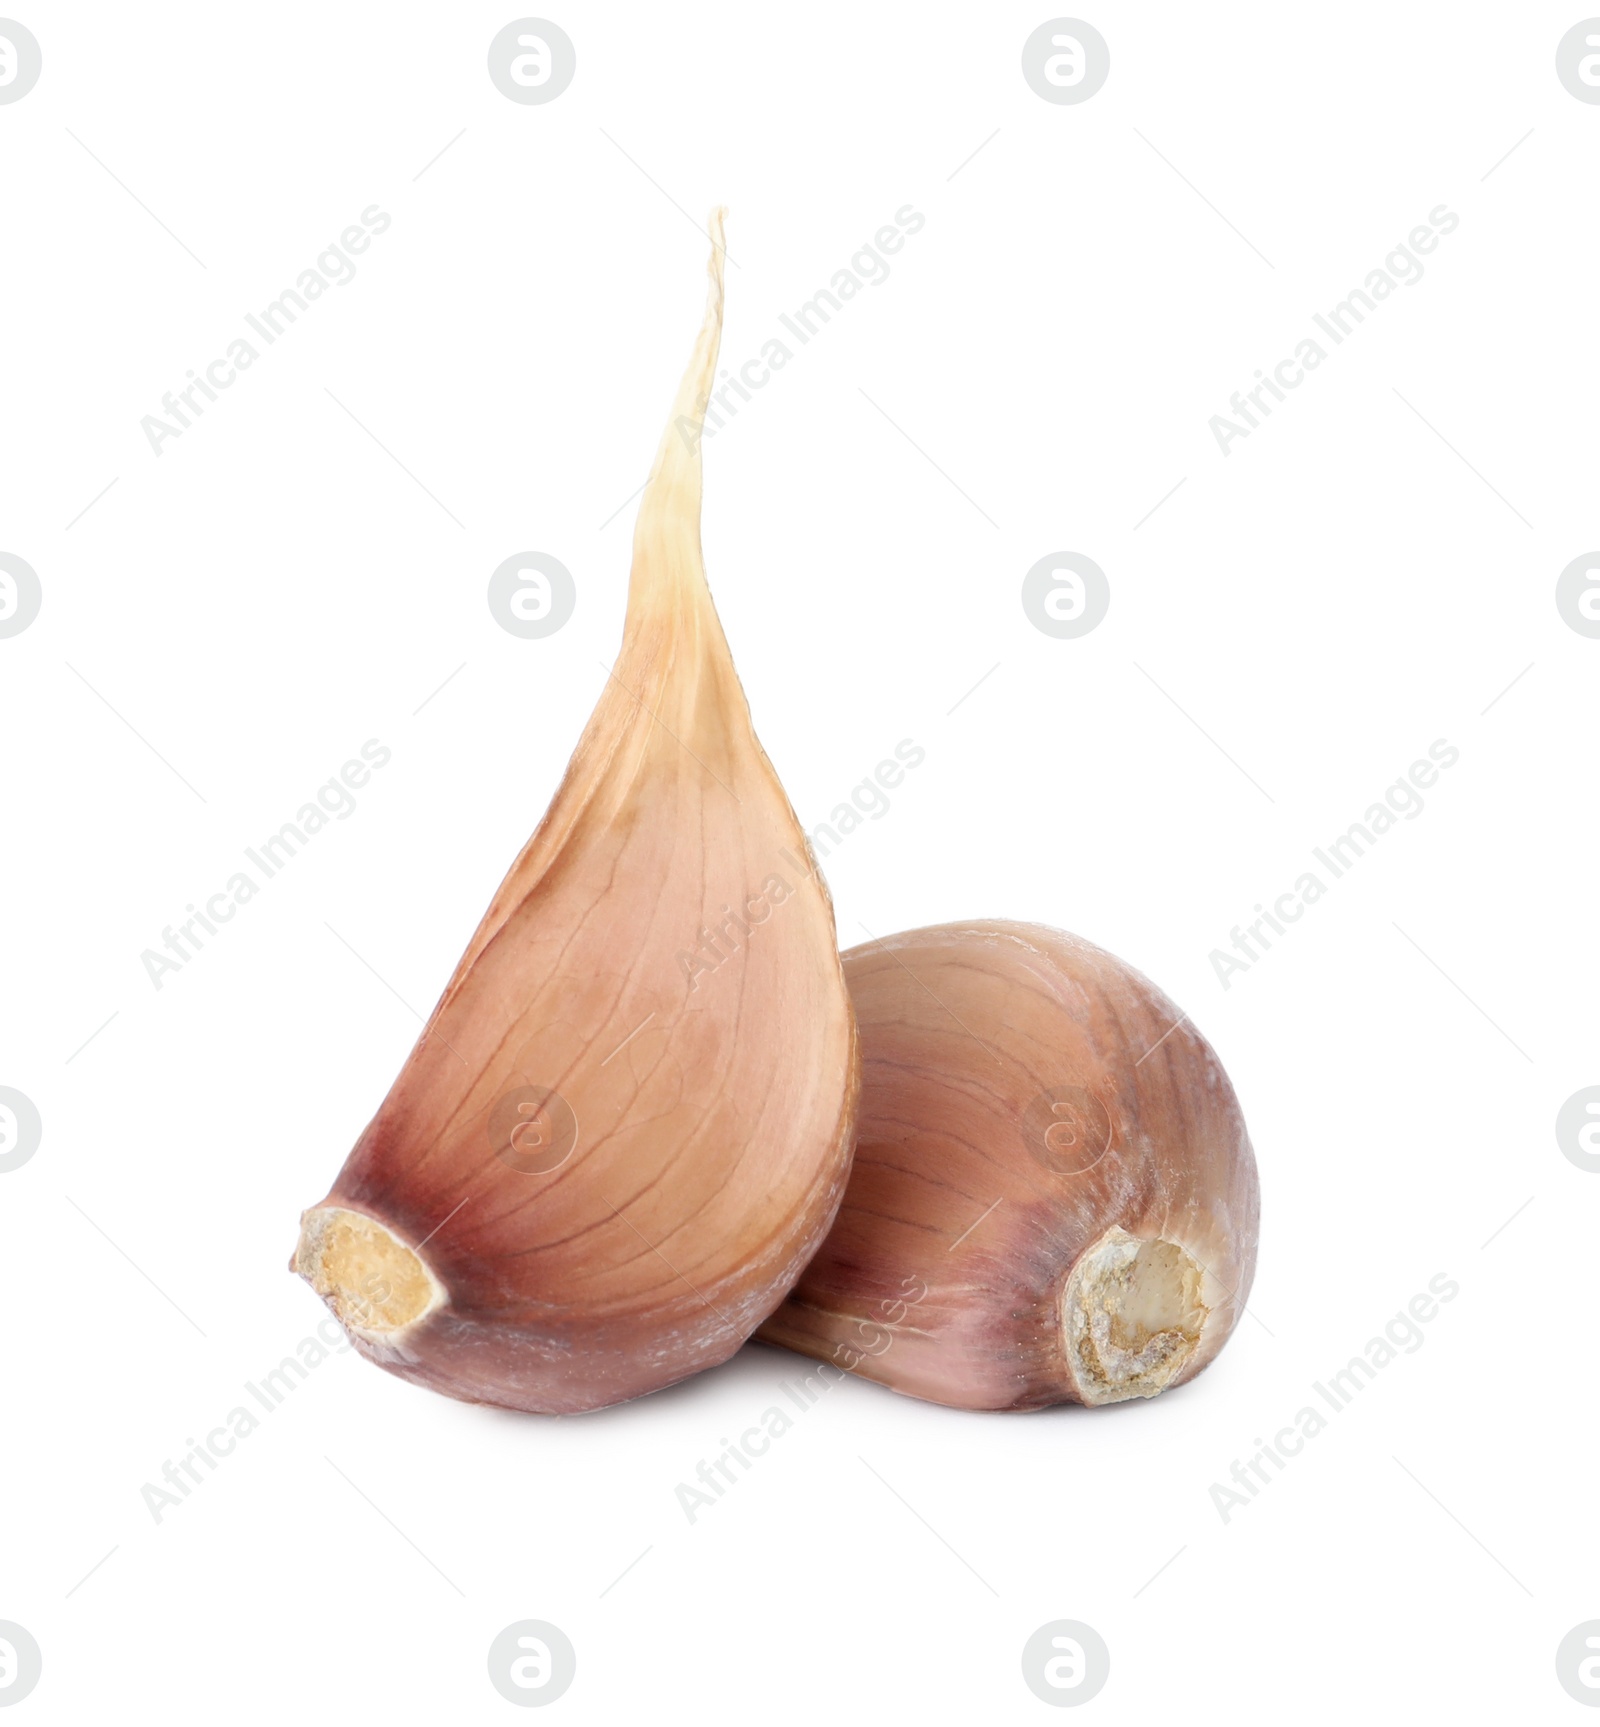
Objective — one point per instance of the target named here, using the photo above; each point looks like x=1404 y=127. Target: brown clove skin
x=627 y=1124
x=1054 y=1198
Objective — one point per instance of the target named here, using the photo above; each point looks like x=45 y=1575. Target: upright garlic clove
x=628 y=1123
x=1053 y=1199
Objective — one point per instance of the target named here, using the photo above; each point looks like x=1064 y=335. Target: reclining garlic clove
x=1054 y=1197
x=603 y=1164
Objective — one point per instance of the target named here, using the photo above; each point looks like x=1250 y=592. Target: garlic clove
x=628 y=1122
x=1054 y=1198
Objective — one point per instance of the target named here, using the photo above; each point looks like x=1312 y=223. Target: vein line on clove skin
x=673 y=1269
x=562 y=1077
x=639 y=701
x=1095 y=1285
x=883 y=948
x=567 y=1073
x=605 y=1138
x=700 y=1143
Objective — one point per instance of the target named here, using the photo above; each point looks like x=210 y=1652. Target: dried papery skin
x=615 y=1145
x=1054 y=1198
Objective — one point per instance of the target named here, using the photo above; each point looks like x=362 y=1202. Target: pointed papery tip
x=717 y=232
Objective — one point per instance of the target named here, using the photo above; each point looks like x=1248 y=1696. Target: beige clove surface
x=1054 y=1197
x=616 y=1144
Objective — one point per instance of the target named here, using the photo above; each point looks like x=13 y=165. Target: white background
x=1325 y=601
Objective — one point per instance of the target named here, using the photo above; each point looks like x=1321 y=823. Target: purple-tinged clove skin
x=1049 y=1159
x=608 y=1157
